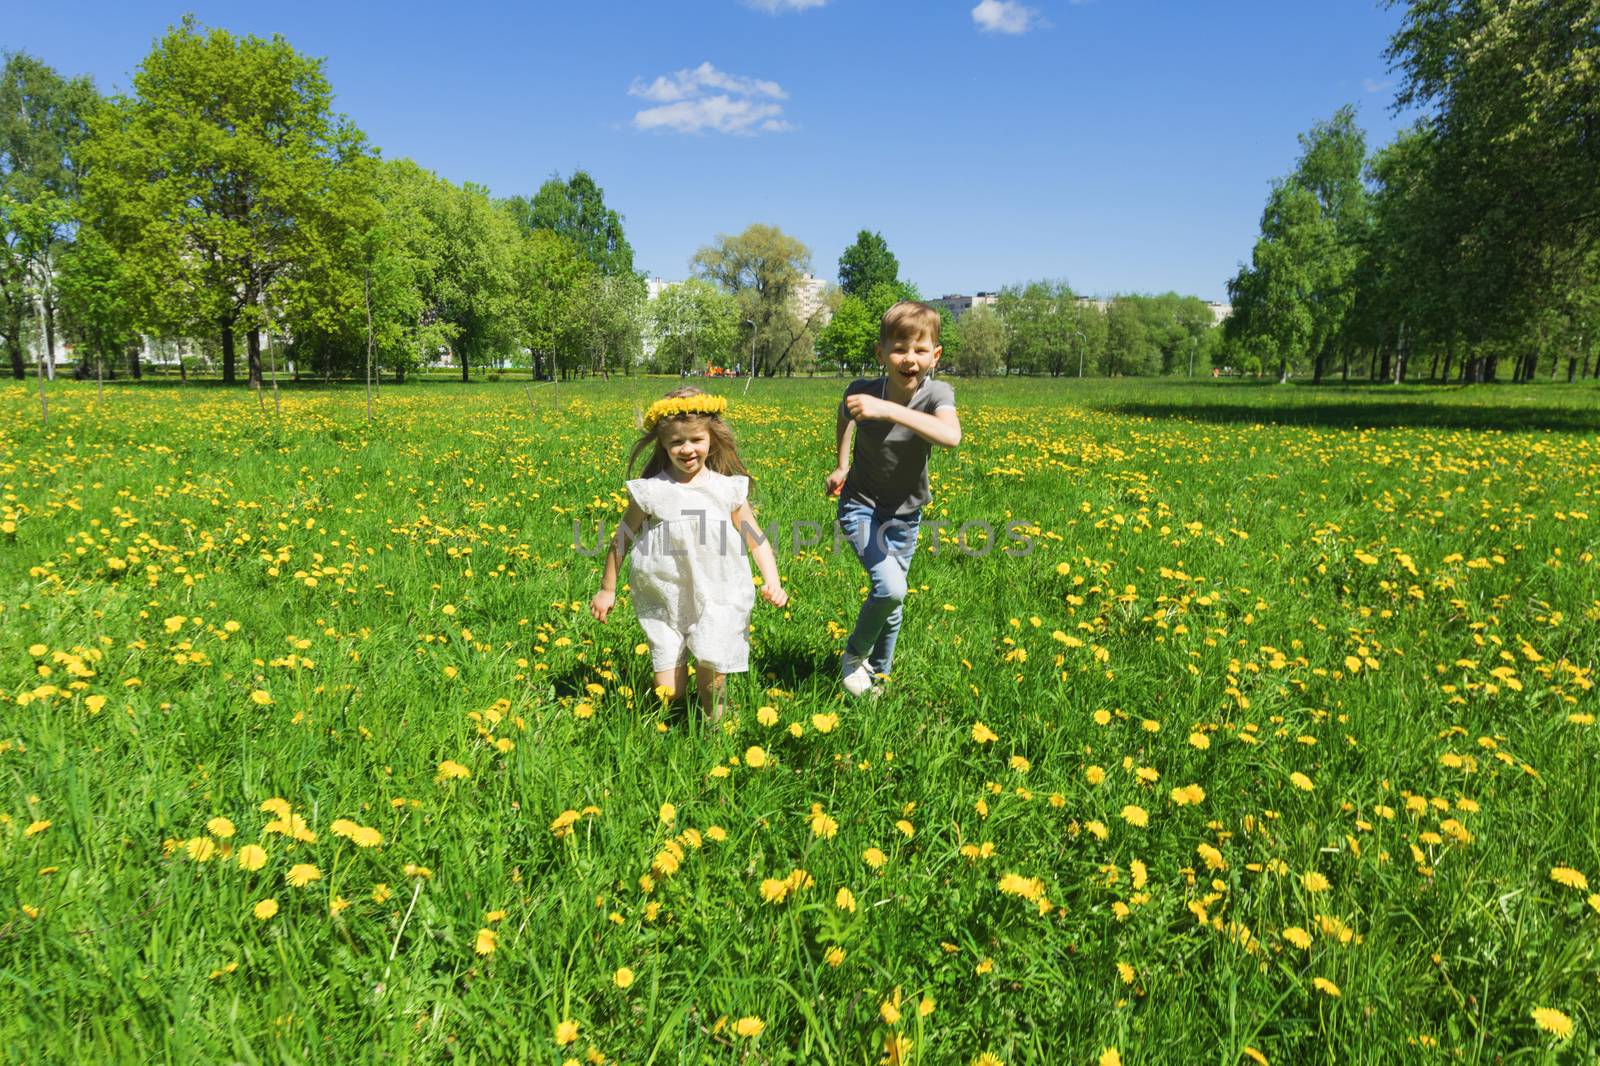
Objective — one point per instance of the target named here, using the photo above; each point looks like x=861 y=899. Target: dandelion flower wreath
x=684 y=405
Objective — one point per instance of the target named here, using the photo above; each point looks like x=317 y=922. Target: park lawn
x=1274 y=740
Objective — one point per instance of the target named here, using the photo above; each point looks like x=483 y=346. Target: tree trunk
x=134 y=369
x=1346 y=371
x=19 y=366
x=466 y=371
x=227 y=352
x=252 y=347
x=1372 y=365
x=1433 y=366
x=50 y=331
x=1383 y=367
x=1449 y=354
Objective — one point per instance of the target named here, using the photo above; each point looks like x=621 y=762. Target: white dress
x=691 y=578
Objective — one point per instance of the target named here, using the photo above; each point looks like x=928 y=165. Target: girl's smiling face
x=686 y=442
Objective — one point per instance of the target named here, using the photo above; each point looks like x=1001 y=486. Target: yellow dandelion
x=450 y=770
x=1110 y=1057
x=37 y=827
x=265 y=909
x=1094 y=774
x=261 y=697
x=889 y=1009
x=874 y=858
x=201 y=849
x=1326 y=987
x=774 y=890
x=1298 y=937
x=1199 y=741
x=485 y=943
x=1301 y=781
x=989 y=1058
x=302 y=874
x=983 y=734
x=1135 y=815
x=825 y=723
x=767 y=716
x=835 y=956
x=623 y=978
x=1314 y=881
x=1566 y=875
x=1553 y=1021
x=276 y=805
x=755 y=757
x=1254 y=1056
x=251 y=857
x=220 y=828
x=365 y=836
x=668 y=814
x=749 y=1026
x=566 y=1032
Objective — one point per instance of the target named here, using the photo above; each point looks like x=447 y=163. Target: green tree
x=42 y=125
x=850 y=339
x=1508 y=93
x=576 y=209
x=1273 y=309
x=980 y=342
x=216 y=177
x=694 y=324
x=95 y=309
x=1128 y=350
x=867 y=264
x=552 y=279
x=762 y=267
x=473 y=292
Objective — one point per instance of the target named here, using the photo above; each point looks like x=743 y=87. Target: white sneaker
x=857 y=675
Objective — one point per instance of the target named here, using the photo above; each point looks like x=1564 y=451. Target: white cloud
x=687 y=84
x=1004 y=16
x=705 y=98
x=777 y=7
x=1372 y=85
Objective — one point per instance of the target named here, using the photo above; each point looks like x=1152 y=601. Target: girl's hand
x=775 y=595
x=602 y=603
x=836 y=480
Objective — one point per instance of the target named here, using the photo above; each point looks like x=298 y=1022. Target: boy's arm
x=761 y=548
x=621 y=541
x=942 y=427
x=844 y=432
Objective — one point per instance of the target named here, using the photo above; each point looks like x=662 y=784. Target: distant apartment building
x=958 y=305
x=1219 y=311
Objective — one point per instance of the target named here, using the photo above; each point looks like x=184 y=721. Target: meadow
x=1276 y=743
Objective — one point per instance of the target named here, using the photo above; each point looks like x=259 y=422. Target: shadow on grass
x=1377 y=415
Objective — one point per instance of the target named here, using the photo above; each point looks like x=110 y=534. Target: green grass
x=1392 y=592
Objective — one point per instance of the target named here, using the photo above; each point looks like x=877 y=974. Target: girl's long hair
x=722 y=456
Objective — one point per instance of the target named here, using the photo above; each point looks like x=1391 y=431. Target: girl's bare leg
x=713 y=691
x=677 y=680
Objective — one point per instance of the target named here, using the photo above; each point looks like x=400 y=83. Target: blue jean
x=884 y=543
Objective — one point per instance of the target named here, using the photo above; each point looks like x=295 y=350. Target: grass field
x=1278 y=746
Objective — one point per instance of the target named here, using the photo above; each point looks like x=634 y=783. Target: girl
x=691 y=585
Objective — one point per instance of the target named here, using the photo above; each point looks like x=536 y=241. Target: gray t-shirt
x=889 y=467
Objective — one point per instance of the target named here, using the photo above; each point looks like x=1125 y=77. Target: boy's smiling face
x=907 y=359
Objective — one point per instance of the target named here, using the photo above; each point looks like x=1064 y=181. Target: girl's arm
x=942 y=427
x=844 y=432
x=621 y=541
x=771 y=588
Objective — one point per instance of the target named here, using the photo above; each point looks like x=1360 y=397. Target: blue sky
x=1123 y=146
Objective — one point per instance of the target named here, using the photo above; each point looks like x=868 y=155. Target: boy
x=893 y=421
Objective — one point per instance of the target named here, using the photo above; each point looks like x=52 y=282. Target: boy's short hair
x=908 y=318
